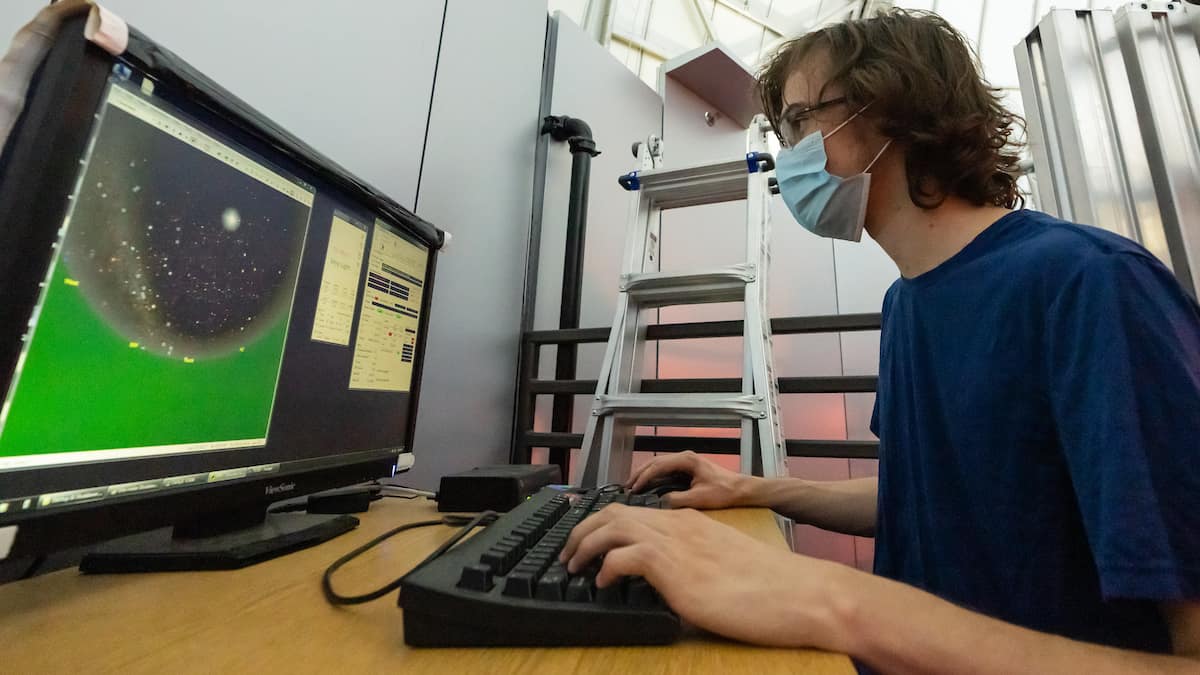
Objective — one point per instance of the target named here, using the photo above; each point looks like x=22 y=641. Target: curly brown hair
x=925 y=91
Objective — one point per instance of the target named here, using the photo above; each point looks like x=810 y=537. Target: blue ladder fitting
x=630 y=181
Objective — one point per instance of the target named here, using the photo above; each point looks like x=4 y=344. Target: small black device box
x=494 y=488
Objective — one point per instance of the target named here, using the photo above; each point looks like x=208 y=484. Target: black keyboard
x=505 y=585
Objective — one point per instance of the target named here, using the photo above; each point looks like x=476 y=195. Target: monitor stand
x=220 y=541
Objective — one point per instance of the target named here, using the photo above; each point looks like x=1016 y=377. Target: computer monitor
x=199 y=314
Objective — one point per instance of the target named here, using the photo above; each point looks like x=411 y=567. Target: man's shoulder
x=1055 y=250
x=1046 y=235
x=1070 y=262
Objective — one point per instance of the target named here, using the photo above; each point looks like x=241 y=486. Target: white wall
x=353 y=84
x=478 y=184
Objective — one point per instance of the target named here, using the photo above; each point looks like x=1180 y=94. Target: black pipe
x=578 y=136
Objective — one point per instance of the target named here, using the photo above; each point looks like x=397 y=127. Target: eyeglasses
x=796 y=123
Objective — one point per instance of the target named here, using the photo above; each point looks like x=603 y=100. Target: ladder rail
x=619 y=406
x=618 y=366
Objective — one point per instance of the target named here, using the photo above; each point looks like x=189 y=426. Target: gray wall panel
x=858 y=416
x=588 y=83
x=477 y=183
x=353 y=84
x=14 y=14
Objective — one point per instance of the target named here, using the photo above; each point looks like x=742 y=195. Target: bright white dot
x=231 y=220
x=103 y=195
x=137 y=188
x=99 y=185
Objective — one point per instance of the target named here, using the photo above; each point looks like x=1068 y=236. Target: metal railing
x=560 y=441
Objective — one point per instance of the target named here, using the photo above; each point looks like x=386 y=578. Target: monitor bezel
x=40 y=158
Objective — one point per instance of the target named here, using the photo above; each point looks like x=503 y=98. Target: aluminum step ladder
x=618 y=407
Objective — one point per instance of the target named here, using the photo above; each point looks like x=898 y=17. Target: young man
x=1038 y=501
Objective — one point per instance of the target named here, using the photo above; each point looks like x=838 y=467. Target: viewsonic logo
x=282 y=487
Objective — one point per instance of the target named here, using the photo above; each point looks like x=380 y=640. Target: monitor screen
x=211 y=312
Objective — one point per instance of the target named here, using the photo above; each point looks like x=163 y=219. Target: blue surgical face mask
x=824 y=204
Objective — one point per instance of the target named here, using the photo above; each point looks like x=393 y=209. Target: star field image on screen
x=163 y=320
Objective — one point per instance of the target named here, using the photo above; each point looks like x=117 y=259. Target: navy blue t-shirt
x=1039 y=423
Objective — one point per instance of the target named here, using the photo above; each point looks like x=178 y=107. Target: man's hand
x=712 y=575
x=712 y=487
x=728 y=583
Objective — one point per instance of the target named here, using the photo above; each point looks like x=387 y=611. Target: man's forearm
x=899 y=629
x=847 y=506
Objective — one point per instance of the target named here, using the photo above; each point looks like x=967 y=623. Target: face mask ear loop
x=877 y=156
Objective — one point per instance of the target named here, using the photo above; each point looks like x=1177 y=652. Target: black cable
x=334 y=598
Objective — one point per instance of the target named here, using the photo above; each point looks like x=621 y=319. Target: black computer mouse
x=676 y=481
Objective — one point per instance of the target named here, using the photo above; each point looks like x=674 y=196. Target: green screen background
x=84 y=388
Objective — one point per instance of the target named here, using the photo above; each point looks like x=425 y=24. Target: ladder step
x=713 y=445
x=699 y=184
x=658 y=289
x=685 y=410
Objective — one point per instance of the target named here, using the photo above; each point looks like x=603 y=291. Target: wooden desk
x=272 y=617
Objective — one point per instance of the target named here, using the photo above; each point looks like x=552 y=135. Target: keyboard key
x=552 y=586
x=580 y=589
x=511 y=557
x=557 y=568
x=526 y=568
x=477 y=577
x=611 y=595
x=500 y=558
x=494 y=559
x=537 y=564
x=519 y=584
x=640 y=594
